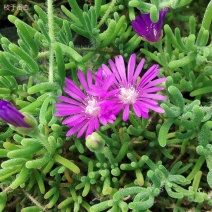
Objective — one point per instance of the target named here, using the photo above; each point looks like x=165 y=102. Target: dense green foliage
x=160 y=164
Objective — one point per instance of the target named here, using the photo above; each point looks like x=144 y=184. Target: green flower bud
x=31 y=121
x=95 y=142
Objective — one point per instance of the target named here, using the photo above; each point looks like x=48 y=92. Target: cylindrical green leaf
x=209 y=178
x=41 y=13
x=67 y=29
x=88 y=22
x=73 y=18
x=3 y=200
x=28 y=38
x=126 y=192
x=100 y=206
x=6 y=134
x=21 y=178
x=40 y=182
x=13 y=162
x=31 y=209
x=76 y=10
x=43 y=110
x=65 y=203
x=25 y=57
x=154 y=14
x=26 y=152
x=60 y=62
x=6 y=64
x=38 y=163
x=53 y=201
x=163 y=133
x=170 y=36
x=122 y=152
x=173 y=194
x=71 y=52
x=176 y=97
x=13 y=19
x=43 y=29
x=41 y=87
x=142 y=205
x=113 y=29
x=183 y=61
x=200 y=91
x=67 y=163
x=205 y=135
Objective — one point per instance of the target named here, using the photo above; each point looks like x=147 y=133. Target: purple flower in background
x=148 y=30
x=11 y=115
x=140 y=93
x=84 y=110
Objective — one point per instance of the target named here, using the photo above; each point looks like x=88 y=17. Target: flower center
x=91 y=108
x=128 y=95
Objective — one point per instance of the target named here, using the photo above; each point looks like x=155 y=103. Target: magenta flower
x=130 y=89
x=84 y=110
x=11 y=115
x=148 y=30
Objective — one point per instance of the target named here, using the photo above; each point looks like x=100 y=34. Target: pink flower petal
x=74 y=129
x=82 y=130
x=76 y=119
x=69 y=100
x=154 y=82
x=151 y=90
x=138 y=71
x=131 y=68
x=149 y=75
x=90 y=128
x=121 y=69
x=117 y=79
x=82 y=79
x=140 y=111
x=89 y=78
x=75 y=95
x=126 y=112
x=155 y=96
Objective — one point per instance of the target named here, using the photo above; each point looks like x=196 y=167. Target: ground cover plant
x=106 y=106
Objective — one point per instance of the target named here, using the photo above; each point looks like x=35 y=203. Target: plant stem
x=52 y=38
x=106 y=13
x=34 y=200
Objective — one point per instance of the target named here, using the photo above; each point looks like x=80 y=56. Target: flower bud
x=30 y=121
x=95 y=142
x=11 y=115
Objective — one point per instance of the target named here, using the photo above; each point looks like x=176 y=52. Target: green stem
x=33 y=200
x=206 y=22
x=110 y=8
x=106 y=50
x=52 y=38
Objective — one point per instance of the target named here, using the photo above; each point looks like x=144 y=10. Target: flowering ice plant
x=147 y=29
x=11 y=115
x=104 y=139
x=133 y=90
x=107 y=93
x=84 y=111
